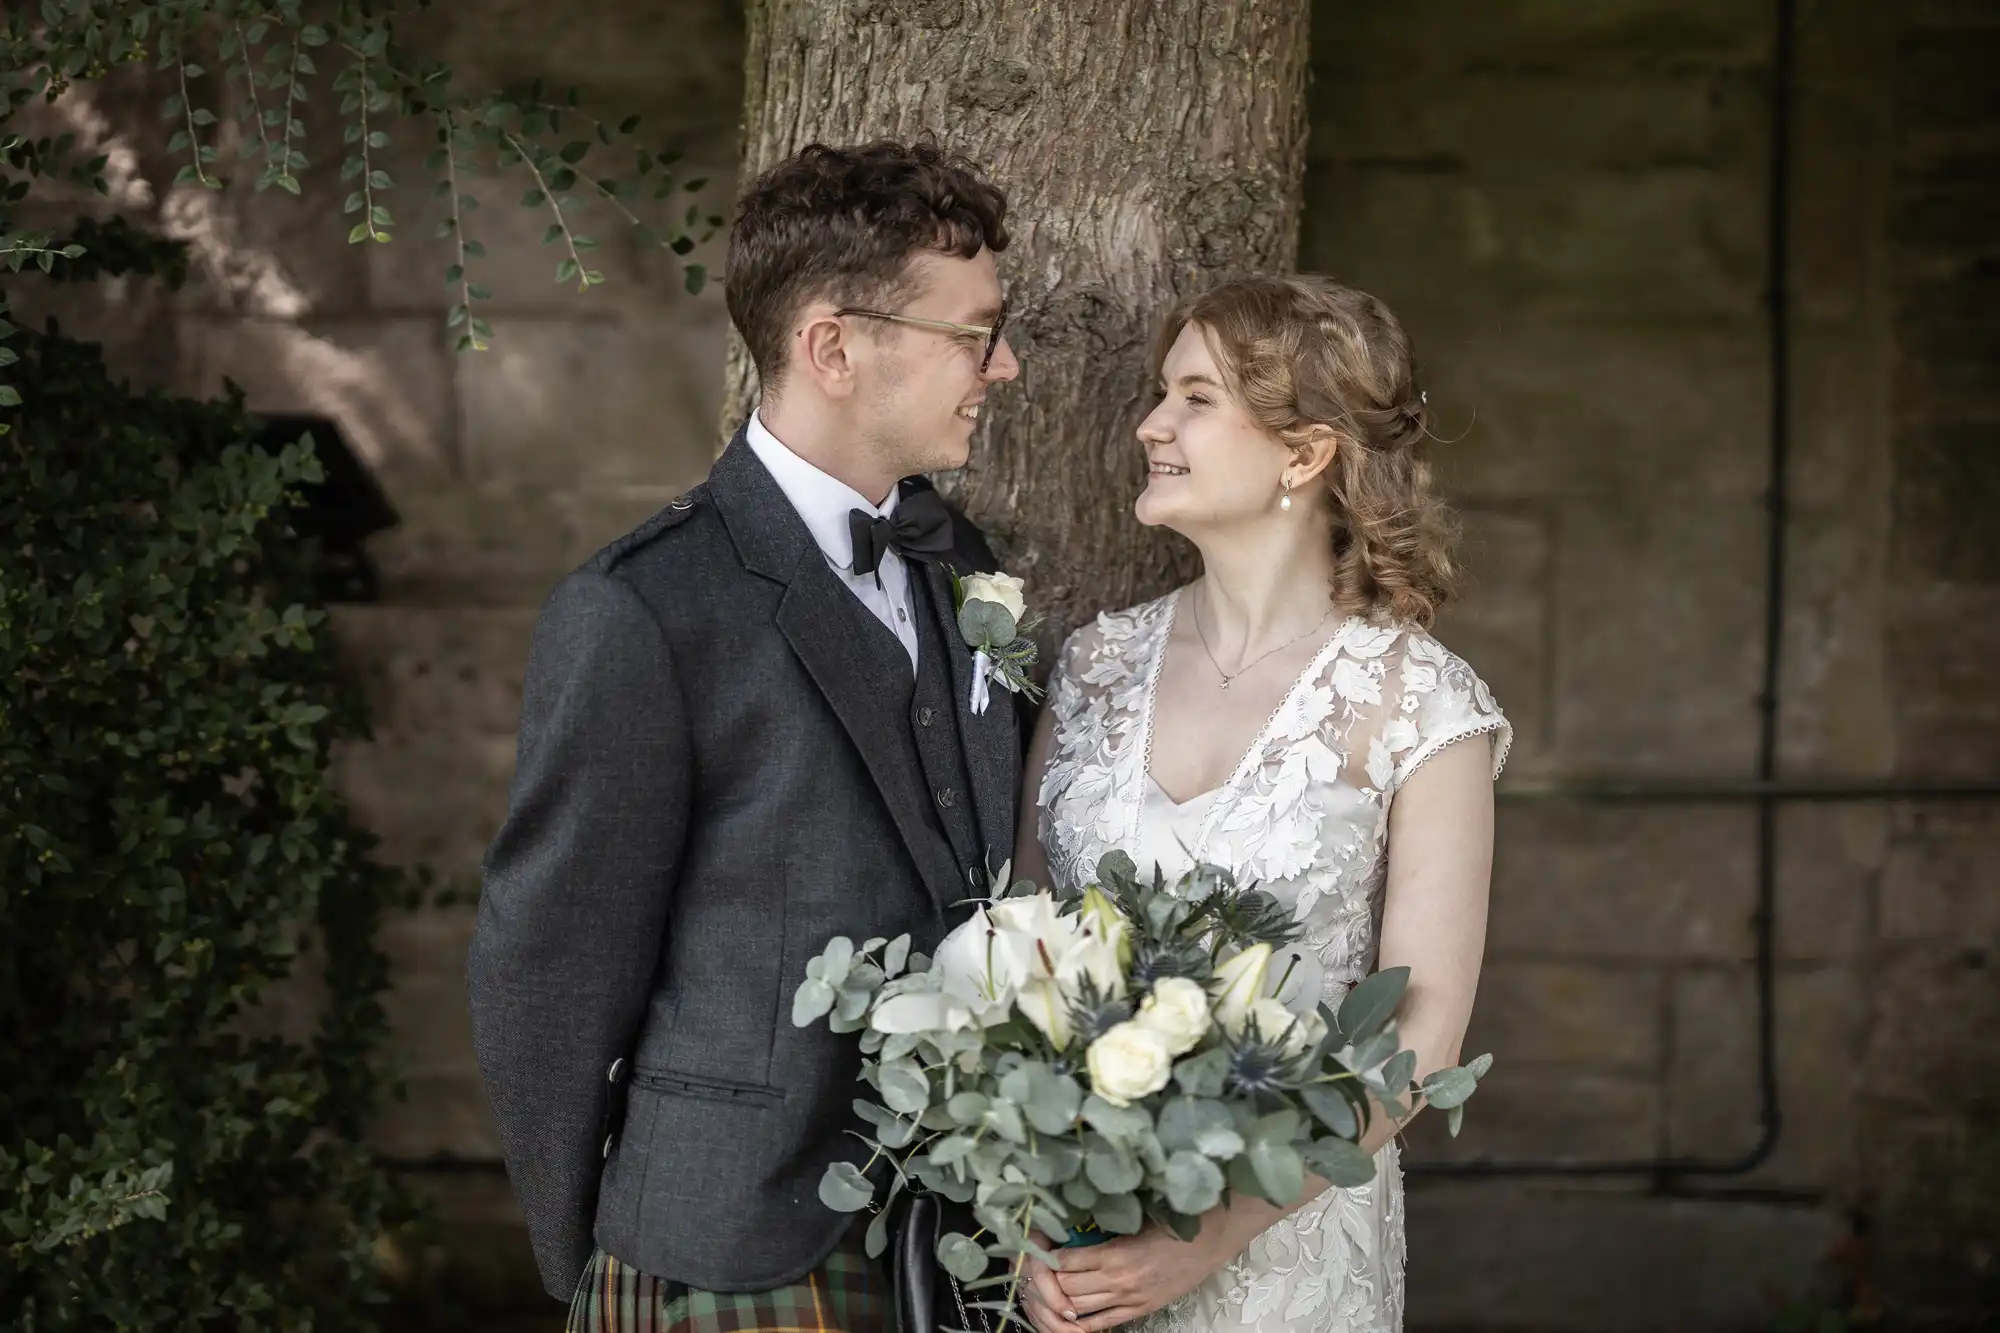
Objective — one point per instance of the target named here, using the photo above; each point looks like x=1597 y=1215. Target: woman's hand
x=1131 y=1276
x=1048 y=1308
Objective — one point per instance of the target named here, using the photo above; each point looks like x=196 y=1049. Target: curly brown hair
x=843 y=223
x=1302 y=352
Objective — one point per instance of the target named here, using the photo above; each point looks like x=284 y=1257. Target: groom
x=745 y=729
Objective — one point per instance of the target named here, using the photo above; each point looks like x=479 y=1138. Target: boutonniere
x=992 y=614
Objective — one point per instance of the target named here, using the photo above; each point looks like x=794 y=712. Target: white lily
x=1045 y=1005
x=1242 y=983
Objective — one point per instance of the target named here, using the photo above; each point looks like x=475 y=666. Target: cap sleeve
x=1443 y=701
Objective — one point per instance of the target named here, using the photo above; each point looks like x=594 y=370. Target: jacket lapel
x=990 y=741
x=837 y=640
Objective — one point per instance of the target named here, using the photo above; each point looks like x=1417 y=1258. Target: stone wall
x=1568 y=206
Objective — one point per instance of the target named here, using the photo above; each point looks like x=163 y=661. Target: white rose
x=1129 y=1062
x=1177 y=1010
x=999 y=589
x=1241 y=980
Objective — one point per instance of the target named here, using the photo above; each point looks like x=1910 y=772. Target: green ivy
x=177 y=874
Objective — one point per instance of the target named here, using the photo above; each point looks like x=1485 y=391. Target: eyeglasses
x=990 y=332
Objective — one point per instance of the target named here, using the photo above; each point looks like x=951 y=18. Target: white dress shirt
x=823 y=502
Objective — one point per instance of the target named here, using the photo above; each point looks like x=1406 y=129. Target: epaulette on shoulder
x=678 y=511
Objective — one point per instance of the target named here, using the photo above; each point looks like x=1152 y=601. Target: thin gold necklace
x=1228 y=676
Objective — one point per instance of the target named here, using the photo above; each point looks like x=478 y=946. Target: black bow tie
x=920 y=530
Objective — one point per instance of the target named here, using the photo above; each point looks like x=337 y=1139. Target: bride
x=1288 y=716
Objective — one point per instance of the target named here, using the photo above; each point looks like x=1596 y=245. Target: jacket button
x=976 y=877
x=946 y=798
x=925 y=717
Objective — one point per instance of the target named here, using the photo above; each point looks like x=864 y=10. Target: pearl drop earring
x=1286 y=502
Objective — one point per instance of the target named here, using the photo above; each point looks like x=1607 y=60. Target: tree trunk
x=1147 y=147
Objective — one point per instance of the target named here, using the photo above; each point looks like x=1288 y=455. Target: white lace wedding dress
x=1305 y=816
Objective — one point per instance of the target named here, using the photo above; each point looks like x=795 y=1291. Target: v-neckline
x=1225 y=790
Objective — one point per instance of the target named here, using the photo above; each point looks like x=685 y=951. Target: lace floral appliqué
x=1305 y=816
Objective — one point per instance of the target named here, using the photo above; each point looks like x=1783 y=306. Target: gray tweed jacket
x=707 y=789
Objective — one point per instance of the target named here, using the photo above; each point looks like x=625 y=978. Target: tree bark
x=1148 y=147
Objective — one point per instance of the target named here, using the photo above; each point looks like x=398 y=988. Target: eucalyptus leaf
x=1372 y=1003
x=961 y=1257
x=838 y=956
x=904 y=1088
x=1200 y=1125
x=896 y=956
x=1054 y=1101
x=1203 y=1075
x=1331 y=1108
x=1340 y=1162
x=1194 y=1183
x=1396 y=1075
x=1449 y=1088
x=876 y=1241
x=968 y=1108
x=813 y=1002
x=1280 y=1174
x=844 y=1189
x=986 y=624
x=1480 y=1066
x=1119 y=1214
x=1120 y=1124
x=1112 y=1170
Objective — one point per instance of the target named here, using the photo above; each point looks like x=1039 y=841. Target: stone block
x=1659 y=635
x=1586 y=881
x=1944 y=79
x=1934 y=1044
x=1603 y=1018
x=385 y=382
x=426 y=1000
x=1947 y=491
x=437 y=672
x=445 y=1112
x=1543 y=1114
x=1500 y=624
x=1531 y=408
x=1712 y=1089
x=595 y=406
x=1522 y=1256
x=495 y=547
x=1834 y=691
x=1831 y=859
x=680 y=66
x=1448 y=38
x=1947 y=341
x=1683 y=242
x=1941 y=884
x=434 y=801
x=1947 y=714
x=1540 y=124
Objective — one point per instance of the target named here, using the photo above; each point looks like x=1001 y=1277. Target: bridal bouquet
x=1076 y=1066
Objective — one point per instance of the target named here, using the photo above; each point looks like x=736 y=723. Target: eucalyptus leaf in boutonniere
x=992 y=615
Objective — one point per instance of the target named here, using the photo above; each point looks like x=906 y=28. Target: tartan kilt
x=847 y=1293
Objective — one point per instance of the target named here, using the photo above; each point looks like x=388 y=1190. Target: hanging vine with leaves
x=266 y=65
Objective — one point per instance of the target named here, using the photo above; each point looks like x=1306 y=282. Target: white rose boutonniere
x=992 y=615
